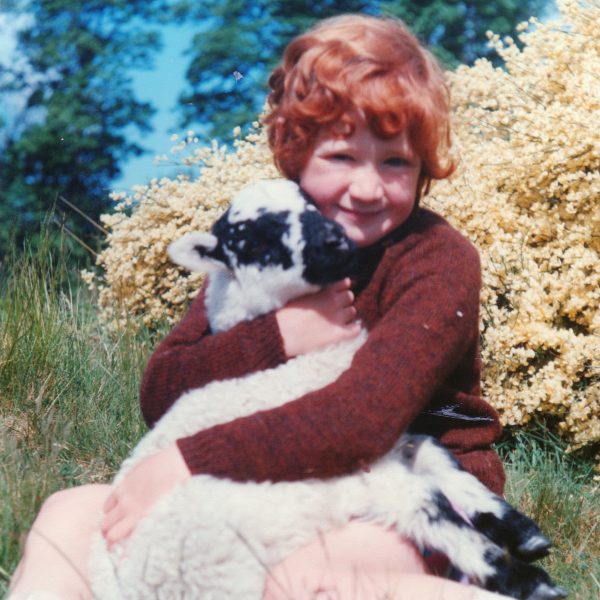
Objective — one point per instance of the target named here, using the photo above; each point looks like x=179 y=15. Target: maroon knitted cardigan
x=418 y=295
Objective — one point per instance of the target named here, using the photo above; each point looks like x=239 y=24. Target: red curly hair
x=359 y=64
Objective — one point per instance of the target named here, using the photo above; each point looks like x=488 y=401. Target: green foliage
x=69 y=137
x=245 y=37
x=456 y=30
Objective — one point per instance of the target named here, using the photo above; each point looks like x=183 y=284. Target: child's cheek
x=318 y=188
x=324 y=200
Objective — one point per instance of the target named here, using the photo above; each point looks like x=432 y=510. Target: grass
x=69 y=415
x=69 y=412
x=561 y=493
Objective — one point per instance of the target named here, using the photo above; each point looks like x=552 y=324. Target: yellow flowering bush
x=526 y=194
x=138 y=278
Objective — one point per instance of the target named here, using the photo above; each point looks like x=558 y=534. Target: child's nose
x=366 y=185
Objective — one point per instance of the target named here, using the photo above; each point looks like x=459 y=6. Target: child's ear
x=279 y=128
x=198 y=252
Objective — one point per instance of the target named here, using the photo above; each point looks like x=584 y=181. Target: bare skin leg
x=362 y=562
x=57 y=548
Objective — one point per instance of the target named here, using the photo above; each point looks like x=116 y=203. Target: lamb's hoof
x=537 y=546
x=520 y=579
x=546 y=591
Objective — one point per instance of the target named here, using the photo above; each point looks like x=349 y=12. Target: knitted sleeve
x=429 y=300
x=191 y=356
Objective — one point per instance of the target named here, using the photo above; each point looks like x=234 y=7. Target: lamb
x=215 y=539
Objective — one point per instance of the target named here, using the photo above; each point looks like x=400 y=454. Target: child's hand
x=133 y=498
x=317 y=320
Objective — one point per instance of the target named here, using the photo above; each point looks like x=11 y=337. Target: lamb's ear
x=197 y=251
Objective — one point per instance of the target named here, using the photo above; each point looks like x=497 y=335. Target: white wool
x=229 y=300
x=216 y=539
x=266 y=195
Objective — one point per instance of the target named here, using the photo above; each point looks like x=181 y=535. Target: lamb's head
x=271 y=245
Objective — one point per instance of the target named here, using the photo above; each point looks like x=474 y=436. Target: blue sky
x=161 y=87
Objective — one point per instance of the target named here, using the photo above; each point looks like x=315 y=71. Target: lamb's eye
x=408 y=454
x=257 y=247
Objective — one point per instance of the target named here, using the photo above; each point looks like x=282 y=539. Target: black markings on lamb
x=507 y=527
x=326 y=249
x=191 y=543
x=521 y=579
x=257 y=241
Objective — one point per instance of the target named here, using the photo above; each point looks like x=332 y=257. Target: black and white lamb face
x=271 y=231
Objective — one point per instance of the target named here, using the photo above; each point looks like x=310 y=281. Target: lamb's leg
x=438 y=526
x=513 y=530
x=489 y=514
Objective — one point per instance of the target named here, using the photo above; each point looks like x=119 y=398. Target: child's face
x=365 y=183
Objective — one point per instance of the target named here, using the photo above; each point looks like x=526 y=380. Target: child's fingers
x=118 y=522
x=120 y=531
x=343 y=299
x=111 y=518
x=110 y=503
x=345 y=283
x=349 y=315
x=341 y=293
x=135 y=496
x=339 y=286
x=349 y=331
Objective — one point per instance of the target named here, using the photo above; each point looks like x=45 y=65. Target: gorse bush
x=526 y=195
x=137 y=276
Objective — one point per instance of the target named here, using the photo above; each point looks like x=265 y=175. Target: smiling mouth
x=358 y=214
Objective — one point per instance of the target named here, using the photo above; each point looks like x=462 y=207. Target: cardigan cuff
x=207 y=453
x=486 y=466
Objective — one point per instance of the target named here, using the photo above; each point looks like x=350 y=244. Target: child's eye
x=396 y=161
x=341 y=157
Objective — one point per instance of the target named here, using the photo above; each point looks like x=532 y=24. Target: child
x=360 y=119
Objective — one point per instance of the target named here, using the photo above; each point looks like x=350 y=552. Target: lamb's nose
x=336 y=242
x=335 y=238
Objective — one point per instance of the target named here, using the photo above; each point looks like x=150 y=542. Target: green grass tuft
x=561 y=493
x=69 y=412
